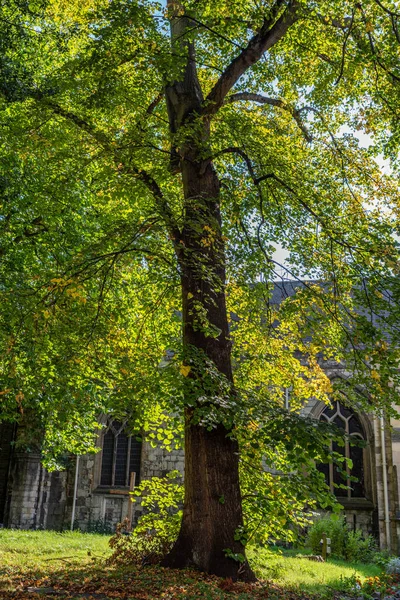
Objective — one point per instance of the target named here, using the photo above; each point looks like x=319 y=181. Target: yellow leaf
x=375 y=374
x=190 y=295
x=185 y=370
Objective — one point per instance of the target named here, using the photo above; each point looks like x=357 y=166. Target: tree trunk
x=212 y=511
x=212 y=514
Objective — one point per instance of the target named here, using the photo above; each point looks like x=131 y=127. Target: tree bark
x=212 y=513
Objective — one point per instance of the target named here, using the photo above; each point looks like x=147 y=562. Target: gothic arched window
x=121 y=456
x=345 y=419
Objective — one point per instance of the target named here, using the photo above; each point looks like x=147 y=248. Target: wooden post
x=130 y=501
x=324 y=546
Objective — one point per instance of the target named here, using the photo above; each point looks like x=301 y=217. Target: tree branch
x=375 y=51
x=346 y=37
x=258 y=180
x=394 y=16
x=334 y=22
x=216 y=33
x=250 y=97
x=387 y=10
x=270 y=33
x=133 y=170
x=155 y=102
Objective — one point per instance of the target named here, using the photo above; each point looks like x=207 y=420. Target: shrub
x=393 y=566
x=350 y=545
x=335 y=529
x=359 y=548
x=157 y=529
x=381 y=558
x=100 y=526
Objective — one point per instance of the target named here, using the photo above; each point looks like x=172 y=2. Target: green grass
x=291 y=570
x=74 y=562
x=36 y=549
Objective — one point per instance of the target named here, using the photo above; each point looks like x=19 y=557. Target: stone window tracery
x=346 y=419
x=121 y=456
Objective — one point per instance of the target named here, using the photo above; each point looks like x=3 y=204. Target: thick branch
x=250 y=97
x=270 y=33
x=155 y=103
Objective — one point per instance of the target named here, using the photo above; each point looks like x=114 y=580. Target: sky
x=281 y=255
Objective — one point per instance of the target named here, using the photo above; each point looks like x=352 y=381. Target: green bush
x=381 y=558
x=345 y=544
x=100 y=526
x=359 y=548
x=157 y=529
x=335 y=529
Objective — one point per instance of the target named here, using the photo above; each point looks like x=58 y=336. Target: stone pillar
x=392 y=486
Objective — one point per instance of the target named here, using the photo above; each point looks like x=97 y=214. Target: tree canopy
x=152 y=159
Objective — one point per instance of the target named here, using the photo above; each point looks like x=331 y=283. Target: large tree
x=148 y=148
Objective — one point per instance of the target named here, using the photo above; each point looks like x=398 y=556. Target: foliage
x=294 y=570
x=385 y=586
x=278 y=500
x=335 y=529
x=99 y=526
x=359 y=547
x=101 y=227
x=393 y=566
x=157 y=529
x=349 y=545
x=381 y=558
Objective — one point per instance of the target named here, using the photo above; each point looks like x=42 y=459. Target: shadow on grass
x=100 y=581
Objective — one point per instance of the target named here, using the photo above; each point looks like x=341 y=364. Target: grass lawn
x=73 y=564
x=289 y=570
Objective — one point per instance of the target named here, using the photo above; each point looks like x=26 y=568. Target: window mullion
x=331 y=474
x=347 y=451
x=128 y=460
x=114 y=463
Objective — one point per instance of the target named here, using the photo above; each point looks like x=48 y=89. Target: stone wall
x=390 y=542
x=37 y=496
x=97 y=507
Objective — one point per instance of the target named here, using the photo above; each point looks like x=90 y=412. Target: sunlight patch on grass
x=296 y=572
x=27 y=549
